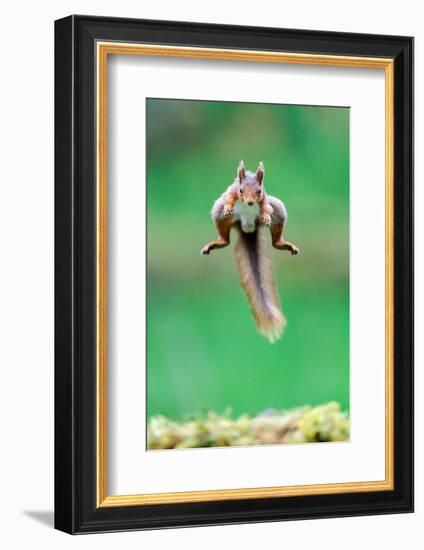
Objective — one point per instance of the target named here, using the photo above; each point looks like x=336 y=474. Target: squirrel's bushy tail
x=257 y=279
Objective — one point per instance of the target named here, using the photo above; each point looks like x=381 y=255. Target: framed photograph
x=234 y=274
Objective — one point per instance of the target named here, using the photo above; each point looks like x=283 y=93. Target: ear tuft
x=241 y=171
x=260 y=172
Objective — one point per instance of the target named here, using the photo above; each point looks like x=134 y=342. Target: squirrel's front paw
x=205 y=250
x=228 y=211
x=266 y=219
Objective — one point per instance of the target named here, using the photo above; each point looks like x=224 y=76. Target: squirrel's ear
x=260 y=172
x=241 y=171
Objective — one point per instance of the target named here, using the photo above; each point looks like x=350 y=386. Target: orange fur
x=246 y=206
x=257 y=279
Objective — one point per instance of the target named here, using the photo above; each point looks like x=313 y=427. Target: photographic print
x=247 y=273
x=220 y=303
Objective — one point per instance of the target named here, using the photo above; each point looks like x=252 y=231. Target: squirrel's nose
x=250 y=203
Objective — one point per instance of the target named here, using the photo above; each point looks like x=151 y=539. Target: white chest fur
x=246 y=215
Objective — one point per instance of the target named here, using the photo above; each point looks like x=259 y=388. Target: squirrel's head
x=251 y=187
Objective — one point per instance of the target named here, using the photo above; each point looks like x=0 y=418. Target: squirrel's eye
x=258 y=191
x=241 y=191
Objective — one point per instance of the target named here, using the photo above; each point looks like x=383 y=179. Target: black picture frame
x=76 y=510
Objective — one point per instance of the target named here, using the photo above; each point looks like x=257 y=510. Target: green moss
x=300 y=425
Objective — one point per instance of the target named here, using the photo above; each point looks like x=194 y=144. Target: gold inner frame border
x=103 y=50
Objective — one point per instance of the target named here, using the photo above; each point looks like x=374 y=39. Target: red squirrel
x=246 y=206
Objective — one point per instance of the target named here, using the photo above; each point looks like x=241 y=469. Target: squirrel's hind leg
x=278 y=240
x=223 y=227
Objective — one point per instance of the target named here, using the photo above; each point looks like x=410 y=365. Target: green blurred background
x=204 y=352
